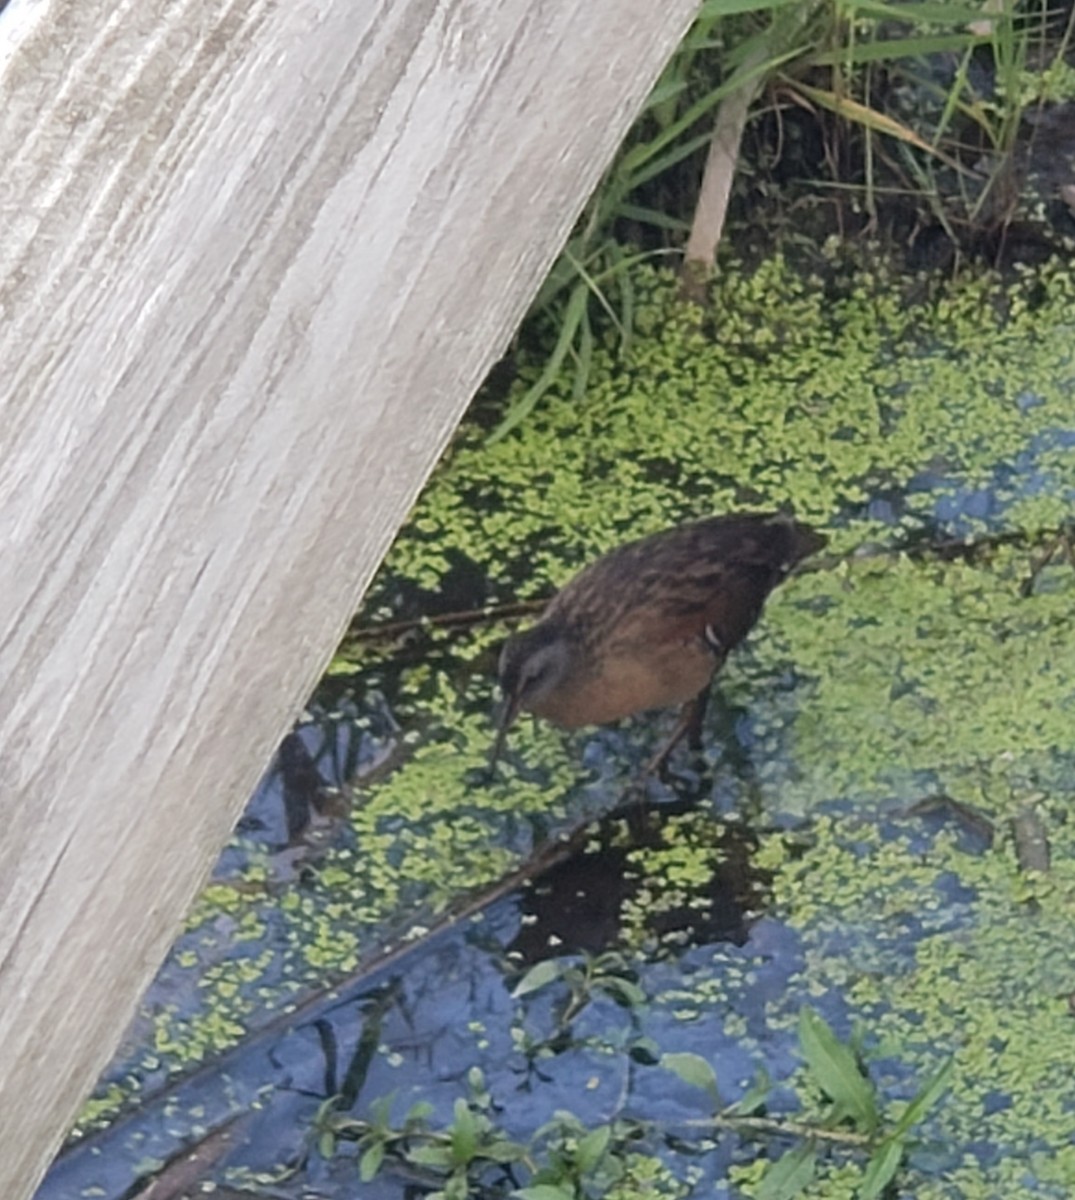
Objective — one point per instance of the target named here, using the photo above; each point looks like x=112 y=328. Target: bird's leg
x=695 y=711
x=688 y=725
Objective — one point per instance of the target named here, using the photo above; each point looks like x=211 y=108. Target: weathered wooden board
x=257 y=254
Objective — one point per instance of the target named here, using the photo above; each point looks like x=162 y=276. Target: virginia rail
x=650 y=624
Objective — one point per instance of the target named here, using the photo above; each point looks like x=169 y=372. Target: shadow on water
x=578 y=906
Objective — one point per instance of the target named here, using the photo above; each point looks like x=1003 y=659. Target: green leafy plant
x=608 y=972
x=579 y=982
x=853 y=1120
x=565 y=1160
x=446 y=1158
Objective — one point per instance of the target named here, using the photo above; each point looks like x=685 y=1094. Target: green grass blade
x=920 y=14
x=583 y=356
x=926 y=1099
x=654 y=217
x=524 y=406
x=715 y=9
x=661 y=163
x=891 y=49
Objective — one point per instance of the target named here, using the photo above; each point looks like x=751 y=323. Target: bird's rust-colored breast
x=630 y=680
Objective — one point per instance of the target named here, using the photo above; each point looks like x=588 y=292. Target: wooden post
x=256 y=258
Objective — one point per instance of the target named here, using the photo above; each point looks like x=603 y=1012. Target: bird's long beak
x=509 y=710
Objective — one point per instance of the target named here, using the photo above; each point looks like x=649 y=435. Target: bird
x=649 y=624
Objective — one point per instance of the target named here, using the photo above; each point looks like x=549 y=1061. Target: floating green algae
x=814 y=392
x=925 y=676
x=871 y=683
x=936 y=951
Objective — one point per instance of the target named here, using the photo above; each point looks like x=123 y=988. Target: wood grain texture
x=257 y=254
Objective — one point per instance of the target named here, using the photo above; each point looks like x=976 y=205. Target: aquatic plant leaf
x=836 y=1071
x=545 y=1191
x=419 y=1112
x=755 y=1096
x=540 y=975
x=926 y=1098
x=693 y=1069
x=370 y=1162
x=464 y=1133
x=624 y=989
x=592 y=1147
x=882 y=1168
x=504 y=1152
x=790 y=1175
x=432 y=1155
x=456 y=1187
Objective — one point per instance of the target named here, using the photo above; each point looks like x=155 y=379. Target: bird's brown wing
x=714 y=603
x=708 y=579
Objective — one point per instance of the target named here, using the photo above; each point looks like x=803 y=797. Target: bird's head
x=533 y=664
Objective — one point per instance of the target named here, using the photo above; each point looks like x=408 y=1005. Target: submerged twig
x=1032 y=850
x=1061 y=543
x=775 y=1127
x=449 y=620
x=968 y=817
x=188 y=1167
